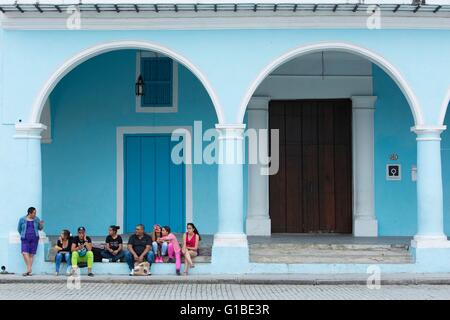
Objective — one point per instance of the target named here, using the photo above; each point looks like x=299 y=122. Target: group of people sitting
x=150 y=247
x=141 y=247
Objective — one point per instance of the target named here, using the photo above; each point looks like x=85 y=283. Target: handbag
x=142 y=269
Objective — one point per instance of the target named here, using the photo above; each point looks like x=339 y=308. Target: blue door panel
x=147 y=182
x=154 y=185
x=163 y=178
x=132 y=182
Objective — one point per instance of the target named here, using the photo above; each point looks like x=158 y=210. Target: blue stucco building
x=78 y=143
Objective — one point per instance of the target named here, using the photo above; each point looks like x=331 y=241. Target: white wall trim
x=170 y=109
x=120 y=133
x=335 y=46
x=98 y=49
x=224 y=20
x=444 y=106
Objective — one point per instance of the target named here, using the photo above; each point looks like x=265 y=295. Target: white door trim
x=120 y=133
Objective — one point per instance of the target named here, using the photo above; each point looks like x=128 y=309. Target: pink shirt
x=173 y=240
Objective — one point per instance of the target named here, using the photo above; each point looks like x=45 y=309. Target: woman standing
x=191 y=240
x=173 y=247
x=28 y=229
x=113 y=251
x=63 y=248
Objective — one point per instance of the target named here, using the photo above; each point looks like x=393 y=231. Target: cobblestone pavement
x=219 y=291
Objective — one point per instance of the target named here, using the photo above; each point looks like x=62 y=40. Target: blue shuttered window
x=157 y=73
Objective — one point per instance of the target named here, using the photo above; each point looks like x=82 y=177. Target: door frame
x=365 y=222
x=120 y=167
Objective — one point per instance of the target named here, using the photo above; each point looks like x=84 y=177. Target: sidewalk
x=266 y=279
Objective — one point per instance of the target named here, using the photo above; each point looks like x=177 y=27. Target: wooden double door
x=312 y=191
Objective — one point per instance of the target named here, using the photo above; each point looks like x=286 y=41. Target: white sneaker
x=105 y=260
x=132 y=272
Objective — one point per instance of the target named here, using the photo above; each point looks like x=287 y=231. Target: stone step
x=289 y=259
x=327 y=252
x=327 y=246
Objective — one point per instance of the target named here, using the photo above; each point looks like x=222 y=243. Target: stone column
x=258 y=219
x=29 y=181
x=430 y=214
x=230 y=247
x=364 y=220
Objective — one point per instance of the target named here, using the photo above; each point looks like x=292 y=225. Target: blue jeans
x=130 y=259
x=163 y=248
x=59 y=258
x=107 y=255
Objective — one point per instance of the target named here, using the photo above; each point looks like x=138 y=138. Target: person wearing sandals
x=28 y=229
x=191 y=241
x=113 y=251
x=159 y=249
x=63 y=248
x=173 y=247
x=82 y=251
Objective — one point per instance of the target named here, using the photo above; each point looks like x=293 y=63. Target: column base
x=230 y=254
x=430 y=242
x=431 y=254
x=365 y=227
x=258 y=226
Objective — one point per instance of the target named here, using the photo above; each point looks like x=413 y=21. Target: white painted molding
x=46 y=119
x=363 y=102
x=335 y=46
x=98 y=49
x=120 y=133
x=444 y=107
x=430 y=242
x=170 y=109
x=431 y=130
x=230 y=240
x=29 y=130
x=229 y=131
x=14 y=237
x=259 y=103
x=224 y=20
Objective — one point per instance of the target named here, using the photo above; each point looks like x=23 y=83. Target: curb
x=238 y=281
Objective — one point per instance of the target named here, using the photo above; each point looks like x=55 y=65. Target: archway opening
x=347 y=156
x=107 y=157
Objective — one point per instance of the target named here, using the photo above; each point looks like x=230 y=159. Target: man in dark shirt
x=82 y=251
x=139 y=248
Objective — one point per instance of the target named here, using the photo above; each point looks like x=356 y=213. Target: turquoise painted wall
x=446 y=172
x=79 y=167
x=96 y=97
x=395 y=201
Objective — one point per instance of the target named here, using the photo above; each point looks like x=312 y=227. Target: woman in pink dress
x=173 y=247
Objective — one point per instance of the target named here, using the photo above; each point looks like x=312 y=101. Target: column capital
x=29 y=130
x=428 y=130
x=258 y=103
x=363 y=102
x=231 y=130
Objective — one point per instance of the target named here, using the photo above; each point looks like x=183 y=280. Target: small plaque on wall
x=393 y=172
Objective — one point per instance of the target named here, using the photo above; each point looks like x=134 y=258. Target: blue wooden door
x=154 y=185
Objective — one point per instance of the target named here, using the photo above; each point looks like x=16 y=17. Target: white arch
x=335 y=46
x=444 y=106
x=98 y=49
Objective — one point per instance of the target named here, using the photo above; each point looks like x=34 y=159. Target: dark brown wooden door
x=312 y=191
